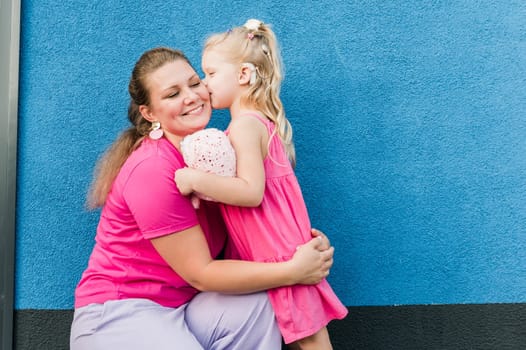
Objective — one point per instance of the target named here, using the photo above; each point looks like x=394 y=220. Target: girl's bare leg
x=318 y=341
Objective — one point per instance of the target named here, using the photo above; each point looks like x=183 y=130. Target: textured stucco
x=409 y=122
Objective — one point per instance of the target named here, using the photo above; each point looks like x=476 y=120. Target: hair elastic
x=252 y=24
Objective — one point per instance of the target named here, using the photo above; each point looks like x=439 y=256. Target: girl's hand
x=183 y=180
x=326 y=244
x=312 y=261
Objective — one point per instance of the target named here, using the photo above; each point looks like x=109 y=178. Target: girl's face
x=221 y=78
x=178 y=100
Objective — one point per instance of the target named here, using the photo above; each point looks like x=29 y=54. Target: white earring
x=156 y=133
x=252 y=69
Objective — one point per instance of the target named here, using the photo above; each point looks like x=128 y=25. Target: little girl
x=243 y=73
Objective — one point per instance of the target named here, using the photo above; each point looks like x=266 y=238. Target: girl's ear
x=145 y=112
x=247 y=74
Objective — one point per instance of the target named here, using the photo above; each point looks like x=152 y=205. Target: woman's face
x=178 y=100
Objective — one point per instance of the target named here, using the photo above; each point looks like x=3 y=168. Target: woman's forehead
x=172 y=73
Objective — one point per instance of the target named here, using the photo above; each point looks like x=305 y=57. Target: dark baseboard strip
x=419 y=327
x=425 y=327
x=42 y=329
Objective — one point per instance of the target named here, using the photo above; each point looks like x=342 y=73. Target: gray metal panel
x=9 y=58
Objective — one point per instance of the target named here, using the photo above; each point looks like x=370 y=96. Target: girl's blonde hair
x=256 y=43
x=111 y=162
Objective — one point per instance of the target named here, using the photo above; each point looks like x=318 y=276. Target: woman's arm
x=188 y=254
x=249 y=139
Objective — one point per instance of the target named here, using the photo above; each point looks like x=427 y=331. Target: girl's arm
x=188 y=254
x=249 y=138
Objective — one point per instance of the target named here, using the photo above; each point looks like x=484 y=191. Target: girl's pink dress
x=271 y=232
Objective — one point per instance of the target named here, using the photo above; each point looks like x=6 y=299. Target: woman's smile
x=195 y=111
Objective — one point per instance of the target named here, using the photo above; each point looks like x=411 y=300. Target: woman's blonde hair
x=256 y=43
x=111 y=162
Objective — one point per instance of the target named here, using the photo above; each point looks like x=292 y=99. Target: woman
x=154 y=253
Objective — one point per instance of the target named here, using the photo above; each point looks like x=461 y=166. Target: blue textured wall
x=410 y=128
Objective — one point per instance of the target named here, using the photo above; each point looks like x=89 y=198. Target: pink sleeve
x=154 y=200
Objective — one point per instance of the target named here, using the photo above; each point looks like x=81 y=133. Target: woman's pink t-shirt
x=144 y=203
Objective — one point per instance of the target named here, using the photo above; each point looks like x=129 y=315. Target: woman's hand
x=313 y=260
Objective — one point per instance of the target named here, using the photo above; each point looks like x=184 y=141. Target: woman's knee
x=242 y=321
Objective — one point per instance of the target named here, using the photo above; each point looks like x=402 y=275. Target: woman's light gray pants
x=210 y=321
